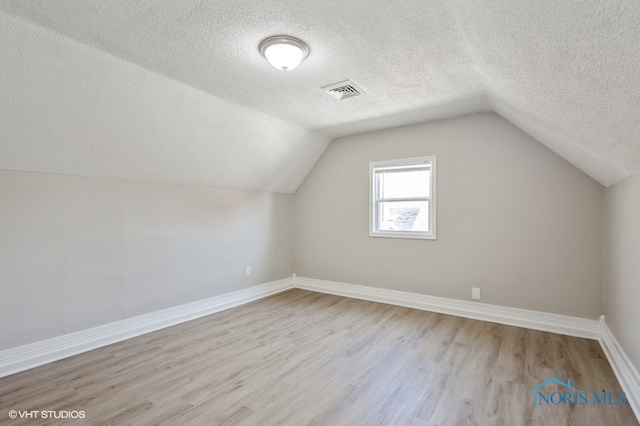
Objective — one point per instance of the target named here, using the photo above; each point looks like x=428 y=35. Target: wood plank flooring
x=304 y=358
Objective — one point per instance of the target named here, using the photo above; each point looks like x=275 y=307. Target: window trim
x=373 y=166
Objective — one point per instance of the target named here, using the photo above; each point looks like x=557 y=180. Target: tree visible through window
x=403 y=198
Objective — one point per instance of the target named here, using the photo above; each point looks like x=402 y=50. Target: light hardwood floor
x=301 y=358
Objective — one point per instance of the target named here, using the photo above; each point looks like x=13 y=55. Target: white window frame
x=374 y=199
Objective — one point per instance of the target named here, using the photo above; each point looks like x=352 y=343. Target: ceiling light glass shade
x=284 y=52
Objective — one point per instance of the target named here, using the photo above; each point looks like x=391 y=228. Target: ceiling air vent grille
x=343 y=90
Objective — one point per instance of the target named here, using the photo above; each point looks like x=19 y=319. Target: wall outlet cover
x=475 y=293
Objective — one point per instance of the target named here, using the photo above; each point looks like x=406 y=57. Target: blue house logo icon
x=537 y=395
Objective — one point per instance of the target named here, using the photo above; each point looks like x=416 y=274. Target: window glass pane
x=415 y=183
x=403 y=216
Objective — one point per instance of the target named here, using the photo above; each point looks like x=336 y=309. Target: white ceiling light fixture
x=284 y=52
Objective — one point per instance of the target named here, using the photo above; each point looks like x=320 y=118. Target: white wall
x=513 y=219
x=78 y=252
x=622 y=289
x=71 y=109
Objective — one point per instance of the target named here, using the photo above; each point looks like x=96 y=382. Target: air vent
x=343 y=90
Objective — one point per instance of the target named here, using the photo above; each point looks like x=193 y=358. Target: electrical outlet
x=247 y=271
x=475 y=293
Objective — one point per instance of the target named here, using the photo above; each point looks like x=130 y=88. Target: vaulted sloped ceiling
x=176 y=91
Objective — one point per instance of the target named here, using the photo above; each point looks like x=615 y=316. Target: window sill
x=406 y=235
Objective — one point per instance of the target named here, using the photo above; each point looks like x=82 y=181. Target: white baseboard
x=554 y=323
x=35 y=354
x=623 y=368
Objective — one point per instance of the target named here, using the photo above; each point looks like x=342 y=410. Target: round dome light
x=284 y=52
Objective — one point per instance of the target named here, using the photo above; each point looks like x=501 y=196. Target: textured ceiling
x=177 y=91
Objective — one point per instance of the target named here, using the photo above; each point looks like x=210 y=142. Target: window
x=403 y=198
